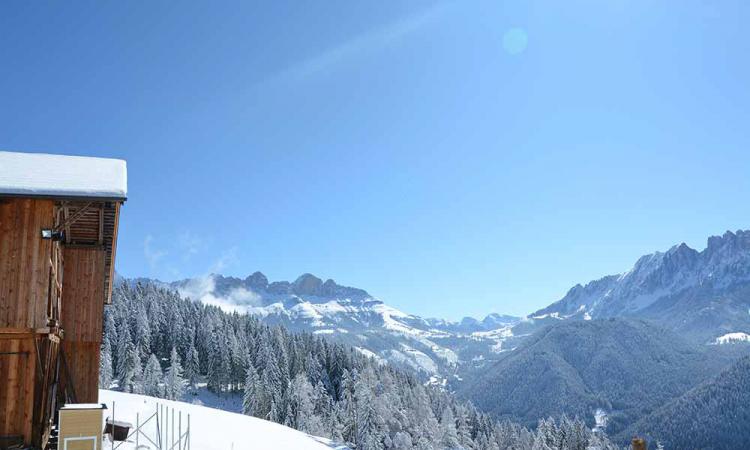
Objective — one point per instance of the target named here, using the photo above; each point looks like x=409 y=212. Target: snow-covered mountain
x=703 y=294
x=435 y=347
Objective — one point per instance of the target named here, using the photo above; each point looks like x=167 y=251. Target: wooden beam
x=108 y=293
x=71 y=220
x=24 y=333
x=65 y=224
x=101 y=224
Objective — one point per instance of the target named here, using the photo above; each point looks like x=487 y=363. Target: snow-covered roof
x=44 y=175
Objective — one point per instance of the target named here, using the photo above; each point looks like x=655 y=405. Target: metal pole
x=171 y=444
x=179 y=432
x=161 y=424
x=137 y=428
x=166 y=426
x=188 y=433
x=158 y=430
x=112 y=426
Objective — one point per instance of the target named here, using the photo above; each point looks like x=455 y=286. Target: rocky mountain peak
x=737 y=241
x=257 y=281
x=307 y=284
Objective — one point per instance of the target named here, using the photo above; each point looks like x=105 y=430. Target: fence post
x=161 y=424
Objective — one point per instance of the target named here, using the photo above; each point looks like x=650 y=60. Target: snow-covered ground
x=211 y=429
x=731 y=338
x=600 y=420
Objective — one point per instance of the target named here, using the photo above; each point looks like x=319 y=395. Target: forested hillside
x=623 y=367
x=714 y=415
x=160 y=344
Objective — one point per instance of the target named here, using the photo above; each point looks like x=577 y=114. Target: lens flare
x=515 y=41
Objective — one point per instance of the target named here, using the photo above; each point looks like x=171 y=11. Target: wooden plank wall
x=18 y=373
x=24 y=285
x=82 y=315
x=24 y=262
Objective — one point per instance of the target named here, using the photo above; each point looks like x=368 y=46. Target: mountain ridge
x=701 y=293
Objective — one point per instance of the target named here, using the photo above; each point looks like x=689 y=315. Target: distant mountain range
x=435 y=347
x=613 y=349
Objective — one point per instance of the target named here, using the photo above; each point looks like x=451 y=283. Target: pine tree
x=192 y=366
x=152 y=378
x=301 y=403
x=105 y=365
x=367 y=426
x=448 y=433
x=142 y=333
x=130 y=370
x=174 y=383
x=218 y=370
x=123 y=341
x=137 y=381
x=250 y=397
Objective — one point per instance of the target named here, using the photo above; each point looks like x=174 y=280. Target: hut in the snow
x=58 y=234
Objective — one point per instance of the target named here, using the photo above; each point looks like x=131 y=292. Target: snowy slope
x=731 y=338
x=212 y=429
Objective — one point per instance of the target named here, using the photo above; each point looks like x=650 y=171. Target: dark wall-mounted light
x=52 y=234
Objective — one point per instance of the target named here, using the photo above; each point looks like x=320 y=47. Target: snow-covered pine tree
x=448 y=433
x=105 y=365
x=218 y=369
x=368 y=424
x=463 y=426
x=174 y=383
x=142 y=332
x=130 y=372
x=192 y=366
x=301 y=404
x=124 y=339
x=250 y=397
x=152 y=377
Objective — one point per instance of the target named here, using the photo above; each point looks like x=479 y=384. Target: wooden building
x=58 y=234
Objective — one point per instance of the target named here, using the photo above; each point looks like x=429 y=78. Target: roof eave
x=71 y=197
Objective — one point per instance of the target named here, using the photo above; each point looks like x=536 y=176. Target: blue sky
x=453 y=158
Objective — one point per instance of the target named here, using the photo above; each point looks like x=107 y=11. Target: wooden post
x=638 y=444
